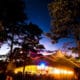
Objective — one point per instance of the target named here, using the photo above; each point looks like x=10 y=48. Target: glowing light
x=47 y=70
x=64 y=71
x=18 y=70
x=56 y=71
x=70 y=72
x=38 y=68
x=42 y=66
x=21 y=52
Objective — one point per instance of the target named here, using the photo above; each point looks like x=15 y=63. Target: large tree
x=30 y=42
x=66 y=20
x=12 y=17
x=15 y=31
x=30 y=46
x=12 y=11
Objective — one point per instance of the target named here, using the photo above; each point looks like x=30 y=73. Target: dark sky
x=37 y=11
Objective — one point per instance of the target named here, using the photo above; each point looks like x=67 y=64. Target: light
x=42 y=66
x=70 y=72
x=20 y=69
x=43 y=69
x=21 y=52
x=56 y=71
x=62 y=71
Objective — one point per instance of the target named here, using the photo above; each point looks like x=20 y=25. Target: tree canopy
x=13 y=28
x=65 y=19
x=12 y=11
x=30 y=45
x=14 y=31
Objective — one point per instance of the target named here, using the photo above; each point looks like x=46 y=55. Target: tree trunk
x=11 y=47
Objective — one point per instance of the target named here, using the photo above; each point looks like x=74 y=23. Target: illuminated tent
x=59 y=59
x=56 y=64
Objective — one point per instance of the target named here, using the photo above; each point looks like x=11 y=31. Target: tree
x=33 y=35
x=30 y=43
x=29 y=46
x=12 y=19
x=14 y=31
x=28 y=40
x=12 y=11
x=66 y=20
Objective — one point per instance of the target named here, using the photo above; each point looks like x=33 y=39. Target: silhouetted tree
x=12 y=18
x=12 y=11
x=30 y=44
x=14 y=31
x=66 y=20
x=31 y=39
x=33 y=36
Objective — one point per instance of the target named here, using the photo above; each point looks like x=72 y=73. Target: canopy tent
x=58 y=59
x=56 y=64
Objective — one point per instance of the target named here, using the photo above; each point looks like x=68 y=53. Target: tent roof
x=59 y=59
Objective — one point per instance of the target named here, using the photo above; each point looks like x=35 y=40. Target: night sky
x=37 y=12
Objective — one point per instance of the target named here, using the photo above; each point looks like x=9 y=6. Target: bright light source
x=70 y=72
x=21 y=52
x=43 y=69
x=42 y=66
x=62 y=71
x=56 y=71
